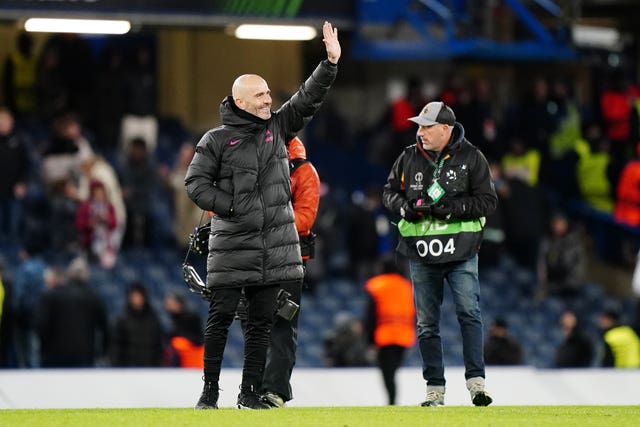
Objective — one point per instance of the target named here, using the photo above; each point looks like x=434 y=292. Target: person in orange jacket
x=305 y=195
x=281 y=355
x=390 y=321
x=186 y=341
x=627 y=207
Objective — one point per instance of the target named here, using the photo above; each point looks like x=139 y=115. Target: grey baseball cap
x=436 y=112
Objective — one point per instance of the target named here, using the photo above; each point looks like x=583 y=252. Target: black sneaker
x=273 y=399
x=249 y=399
x=481 y=398
x=209 y=397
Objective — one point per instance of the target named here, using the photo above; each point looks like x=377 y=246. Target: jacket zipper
x=264 y=213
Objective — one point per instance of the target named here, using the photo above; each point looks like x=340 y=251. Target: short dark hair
x=612 y=314
x=139 y=287
x=500 y=323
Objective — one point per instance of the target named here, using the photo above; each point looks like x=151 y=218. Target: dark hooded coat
x=241 y=172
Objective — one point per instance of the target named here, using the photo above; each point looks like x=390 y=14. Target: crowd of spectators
x=53 y=317
x=83 y=178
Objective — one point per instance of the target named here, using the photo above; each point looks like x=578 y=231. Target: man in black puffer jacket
x=241 y=172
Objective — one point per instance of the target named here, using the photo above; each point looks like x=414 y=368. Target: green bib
x=439 y=241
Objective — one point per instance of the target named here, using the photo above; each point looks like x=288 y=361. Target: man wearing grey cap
x=442 y=189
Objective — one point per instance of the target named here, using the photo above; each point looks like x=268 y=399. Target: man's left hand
x=330 y=39
x=441 y=211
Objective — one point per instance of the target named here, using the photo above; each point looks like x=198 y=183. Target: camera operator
x=281 y=356
x=240 y=172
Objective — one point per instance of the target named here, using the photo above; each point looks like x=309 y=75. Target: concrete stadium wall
x=178 y=388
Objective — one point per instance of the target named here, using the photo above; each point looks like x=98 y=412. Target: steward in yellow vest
x=621 y=347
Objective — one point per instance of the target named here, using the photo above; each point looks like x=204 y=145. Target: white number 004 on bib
x=437 y=241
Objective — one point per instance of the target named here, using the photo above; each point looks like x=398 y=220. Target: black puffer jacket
x=241 y=173
x=469 y=194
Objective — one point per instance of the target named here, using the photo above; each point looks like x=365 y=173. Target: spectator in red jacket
x=95 y=221
x=627 y=207
x=616 y=109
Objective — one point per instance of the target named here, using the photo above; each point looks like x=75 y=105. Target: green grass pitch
x=405 y=416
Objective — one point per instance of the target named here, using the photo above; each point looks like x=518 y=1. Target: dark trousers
x=261 y=307
x=281 y=356
x=11 y=213
x=389 y=360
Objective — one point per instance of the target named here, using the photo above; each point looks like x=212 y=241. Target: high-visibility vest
x=24 y=82
x=636 y=132
x=190 y=355
x=529 y=162
x=625 y=346
x=591 y=174
x=568 y=133
x=2 y=293
x=395 y=312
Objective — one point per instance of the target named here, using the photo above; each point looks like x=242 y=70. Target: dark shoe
x=250 y=399
x=274 y=400
x=209 y=397
x=481 y=398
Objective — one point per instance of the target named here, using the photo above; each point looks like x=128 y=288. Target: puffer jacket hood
x=231 y=115
x=241 y=172
x=296 y=149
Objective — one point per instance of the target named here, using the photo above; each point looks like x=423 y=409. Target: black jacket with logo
x=464 y=176
x=240 y=172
